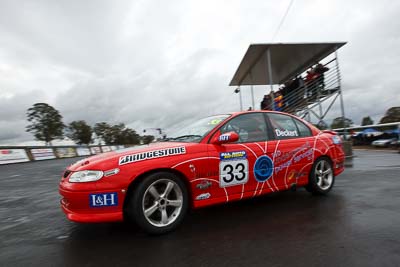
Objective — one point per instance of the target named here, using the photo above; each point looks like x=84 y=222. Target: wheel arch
x=143 y=176
x=326 y=156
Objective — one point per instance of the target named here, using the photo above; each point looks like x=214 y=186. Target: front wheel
x=321 y=178
x=159 y=203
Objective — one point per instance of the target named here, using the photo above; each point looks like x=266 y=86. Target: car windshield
x=195 y=131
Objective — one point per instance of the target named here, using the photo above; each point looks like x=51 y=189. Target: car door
x=238 y=168
x=294 y=146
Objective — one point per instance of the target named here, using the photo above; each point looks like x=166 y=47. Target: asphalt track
x=357 y=224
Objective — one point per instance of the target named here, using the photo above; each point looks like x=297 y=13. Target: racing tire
x=159 y=203
x=321 y=178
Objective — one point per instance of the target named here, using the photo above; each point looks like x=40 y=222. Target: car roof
x=257 y=111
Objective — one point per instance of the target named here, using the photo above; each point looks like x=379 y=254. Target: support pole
x=240 y=98
x=340 y=92
x=320 y=106
x=330 y=106
x=252 y=98
x=269 y=64
x=252 y=91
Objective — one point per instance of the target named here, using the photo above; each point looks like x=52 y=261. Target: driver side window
x=250 y=127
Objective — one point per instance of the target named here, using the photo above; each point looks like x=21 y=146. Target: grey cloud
x=13 y=132
x=13 y=115
x=158 y=63
x=155 y=100
x=14 y=107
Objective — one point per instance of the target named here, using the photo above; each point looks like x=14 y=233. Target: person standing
x=266 y=103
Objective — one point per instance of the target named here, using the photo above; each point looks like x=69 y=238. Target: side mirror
x=229 y=137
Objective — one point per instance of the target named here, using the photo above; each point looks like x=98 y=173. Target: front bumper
x=78 y=207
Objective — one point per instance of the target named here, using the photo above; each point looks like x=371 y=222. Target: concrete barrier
x=13 y=155
x=18 y=154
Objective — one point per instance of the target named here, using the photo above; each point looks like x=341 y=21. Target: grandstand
x=306 y=77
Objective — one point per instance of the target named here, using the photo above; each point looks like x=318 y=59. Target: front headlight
x=85 y=176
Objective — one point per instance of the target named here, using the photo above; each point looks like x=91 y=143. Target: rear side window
x=304 y=131
x=283 y=126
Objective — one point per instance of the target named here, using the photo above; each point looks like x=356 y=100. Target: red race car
x=214 y=160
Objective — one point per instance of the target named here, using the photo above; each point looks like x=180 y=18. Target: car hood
x=111 y=159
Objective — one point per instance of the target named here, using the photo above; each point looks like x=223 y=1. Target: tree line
x=46 y=125
x=391 y=115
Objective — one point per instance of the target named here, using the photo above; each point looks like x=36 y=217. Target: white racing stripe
x=255 y=191
x=273 y=172
x=273 y=160
x=255 y=155
x=315 y=149
x=266 y=152
x=306 y=166
x=262 y=149
x=327 y=147
x=262 y=186
x=303 y=169
x=266 y=146
x=315 y=143
x=287 y=168
x=173 y=167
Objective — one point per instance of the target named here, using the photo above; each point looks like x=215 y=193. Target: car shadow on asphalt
x=263 y=210
x=267 y=218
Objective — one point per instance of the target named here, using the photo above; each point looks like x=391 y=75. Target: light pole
x=159 y=130
x=238 y=91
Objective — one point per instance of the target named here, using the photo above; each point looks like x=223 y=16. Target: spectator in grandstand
x=319 y=70
x=266 y=103
x=297 y=91
x=278 y=101
x=292 y=94
x=310 y=82
x=287 y=88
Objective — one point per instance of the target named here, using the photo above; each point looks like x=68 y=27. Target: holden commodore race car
x=214 y=160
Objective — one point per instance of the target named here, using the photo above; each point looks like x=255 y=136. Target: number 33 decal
x=233 y=172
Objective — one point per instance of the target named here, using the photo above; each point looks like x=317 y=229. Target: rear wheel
x=159 y=203
x=321 y=178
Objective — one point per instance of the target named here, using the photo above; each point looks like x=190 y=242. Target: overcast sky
x=158 y=63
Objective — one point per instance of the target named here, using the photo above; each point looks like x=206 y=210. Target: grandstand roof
x=287 y=61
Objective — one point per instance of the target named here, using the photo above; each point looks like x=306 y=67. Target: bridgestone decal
x=152 y=155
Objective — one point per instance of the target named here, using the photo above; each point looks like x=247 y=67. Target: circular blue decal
x=263 y=168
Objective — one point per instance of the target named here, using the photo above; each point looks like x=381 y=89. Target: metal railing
x=310 y=94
